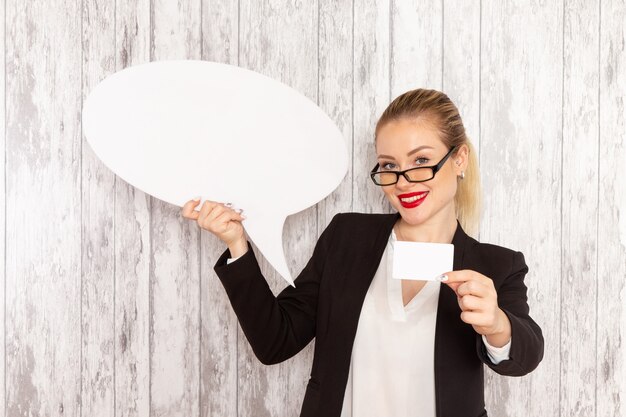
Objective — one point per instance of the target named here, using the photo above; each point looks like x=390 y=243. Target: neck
x=434 y=231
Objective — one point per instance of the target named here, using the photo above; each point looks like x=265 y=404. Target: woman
x=388 y=347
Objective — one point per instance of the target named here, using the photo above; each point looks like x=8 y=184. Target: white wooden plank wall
x=133 y=247
x=610 y=321
x=579 y=237
x=110 y=303
x=521 y=138
x=98 y=229
x=43 y=226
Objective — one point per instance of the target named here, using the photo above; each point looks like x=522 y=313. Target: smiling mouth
x=412 y=199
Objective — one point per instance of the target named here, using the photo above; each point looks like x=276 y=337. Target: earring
x=462 y=176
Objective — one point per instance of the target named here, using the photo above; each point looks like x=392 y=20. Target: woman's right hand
x=221 y=220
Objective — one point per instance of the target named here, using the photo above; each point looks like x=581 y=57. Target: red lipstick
x=421 y=196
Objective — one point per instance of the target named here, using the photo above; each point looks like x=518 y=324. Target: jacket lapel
x=447 y=324
x=348 y=298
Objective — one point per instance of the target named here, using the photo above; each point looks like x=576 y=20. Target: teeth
x=414 y=198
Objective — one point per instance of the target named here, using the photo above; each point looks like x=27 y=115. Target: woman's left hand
x=478 y=300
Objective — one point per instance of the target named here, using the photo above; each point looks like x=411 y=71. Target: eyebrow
x=419 y=148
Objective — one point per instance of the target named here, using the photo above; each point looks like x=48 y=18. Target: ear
x=461 y=159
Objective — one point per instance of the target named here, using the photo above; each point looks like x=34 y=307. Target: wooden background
x=110 y=306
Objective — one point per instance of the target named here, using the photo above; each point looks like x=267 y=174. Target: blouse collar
x=459 y=240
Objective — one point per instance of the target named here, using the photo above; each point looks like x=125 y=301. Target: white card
x=421 y=261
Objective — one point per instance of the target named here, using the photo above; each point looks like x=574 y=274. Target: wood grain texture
x=133 y=245
x=219 y=327
x=610 y=383
x=461 y=62
x=3 y=147
x=175 y=264
x=278 y=38
x=461 y=71
x=371 y=95
x=132 y=301
x=335 y=89
x=416 y=59
x=98 y=243
x=521 y=141
x=43 y=208
x=580 y=209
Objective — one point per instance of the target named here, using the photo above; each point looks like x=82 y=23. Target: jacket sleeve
x=526 y=336
x=276 y=327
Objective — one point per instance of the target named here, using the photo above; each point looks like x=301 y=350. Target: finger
x=475 y=318
x=209 y=213
x=207 y=206
x=238 y=215
x=228 y=216
x=213 y=217
x=454 y=279
x=472 y=287
x=206 y=209
x=454 y=286
x=456 y=276
x=188 y=209
x=471 y=303
x=464 y=275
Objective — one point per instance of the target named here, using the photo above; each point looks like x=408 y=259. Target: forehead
x=401 y=136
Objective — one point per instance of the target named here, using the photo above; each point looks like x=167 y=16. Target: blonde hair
x=437 y=109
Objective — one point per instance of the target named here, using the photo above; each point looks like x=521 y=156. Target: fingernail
x=442 y=278
x=239 y=210
x=228 y=204
x=242 y=216
x=197 y=198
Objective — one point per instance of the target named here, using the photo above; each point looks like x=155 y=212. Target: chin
x=413 y=216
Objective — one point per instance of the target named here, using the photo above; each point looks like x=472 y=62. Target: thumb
x=454 y=285
x=452 y=279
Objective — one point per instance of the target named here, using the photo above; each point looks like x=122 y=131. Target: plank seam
x=4 y=394
x=115 y=63
x=443 y=26
x=236 y=332
x=82 y=92
x=390 y=41
x=150 y=262
x=598 y=198
x=480 y=90
x=562 y=191
x=317 y=93
x=352 y=115
x=199 y=250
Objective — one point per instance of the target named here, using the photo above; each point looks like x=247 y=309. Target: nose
x=402 y=182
